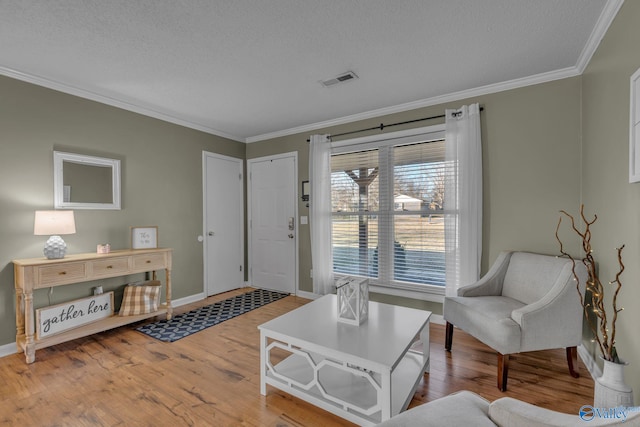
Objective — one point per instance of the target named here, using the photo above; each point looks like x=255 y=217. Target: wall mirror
x=85 y=182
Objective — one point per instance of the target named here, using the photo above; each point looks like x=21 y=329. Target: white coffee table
x=365 y=374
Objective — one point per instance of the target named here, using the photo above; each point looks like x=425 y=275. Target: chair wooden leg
x=572 y=360
x=503 y=370
x=448 y=337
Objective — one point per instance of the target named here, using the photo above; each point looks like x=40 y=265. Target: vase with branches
x=610 y=388
x=602 y=327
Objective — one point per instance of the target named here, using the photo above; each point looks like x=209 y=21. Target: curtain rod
x=382 y=125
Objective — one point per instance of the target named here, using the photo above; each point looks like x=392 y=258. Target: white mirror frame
x=58 y=182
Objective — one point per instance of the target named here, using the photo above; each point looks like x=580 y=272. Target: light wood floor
x=125 y=378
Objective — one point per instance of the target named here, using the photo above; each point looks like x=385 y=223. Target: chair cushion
x=530 y=276
x=459 y=409
x=486 y=318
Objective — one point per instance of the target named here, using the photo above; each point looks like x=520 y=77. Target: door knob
x=211 y=233
x=291 y=235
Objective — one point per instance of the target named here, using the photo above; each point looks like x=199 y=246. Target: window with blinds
x=387 y=214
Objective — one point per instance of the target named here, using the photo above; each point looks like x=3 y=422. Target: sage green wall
x=531 y=162
x=606 y=188
x=161 y=184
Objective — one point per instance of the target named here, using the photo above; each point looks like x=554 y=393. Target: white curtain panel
x=463 y=197
x=320 y=213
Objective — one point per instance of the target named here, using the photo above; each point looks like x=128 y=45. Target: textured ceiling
x=250 y=69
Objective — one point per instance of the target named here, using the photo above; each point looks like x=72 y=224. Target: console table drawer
x=148 y=262
x=62 y=273
x=110 y=267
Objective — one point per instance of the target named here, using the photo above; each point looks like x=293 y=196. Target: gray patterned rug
x=185 y=324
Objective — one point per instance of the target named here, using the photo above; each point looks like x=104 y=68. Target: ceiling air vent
x=342 y=78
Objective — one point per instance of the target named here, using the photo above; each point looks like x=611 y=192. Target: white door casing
x=273 y=225
x=223 y=223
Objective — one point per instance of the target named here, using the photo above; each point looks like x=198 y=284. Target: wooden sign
x=54 y=319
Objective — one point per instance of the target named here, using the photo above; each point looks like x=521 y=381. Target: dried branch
x=618 y=284
x=593 y=286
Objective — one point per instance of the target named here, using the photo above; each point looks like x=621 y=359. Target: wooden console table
x=38 y=273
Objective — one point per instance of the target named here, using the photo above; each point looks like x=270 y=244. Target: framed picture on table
x=144 y=237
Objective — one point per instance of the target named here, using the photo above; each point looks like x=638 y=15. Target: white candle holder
x=353 y=300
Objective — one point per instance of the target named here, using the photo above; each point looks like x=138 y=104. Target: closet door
x=223 y=223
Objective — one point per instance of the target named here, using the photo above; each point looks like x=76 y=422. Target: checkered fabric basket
x=140 y=298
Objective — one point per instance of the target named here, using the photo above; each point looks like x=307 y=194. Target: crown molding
x=82 y=93
x=428 y=102
x=452 y=97
x=607 y=16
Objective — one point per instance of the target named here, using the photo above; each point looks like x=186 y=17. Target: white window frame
x=405 y=137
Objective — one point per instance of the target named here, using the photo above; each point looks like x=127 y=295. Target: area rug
x=183 y=325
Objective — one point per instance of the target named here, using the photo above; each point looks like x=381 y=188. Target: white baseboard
x=8 y=349
x=307 y=295
x=188 y=300
x=589 y=362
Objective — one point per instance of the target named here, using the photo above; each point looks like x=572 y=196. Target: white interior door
x=223 y=223
x=273 y=226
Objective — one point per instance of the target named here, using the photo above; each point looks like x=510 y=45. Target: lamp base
x=55 y=248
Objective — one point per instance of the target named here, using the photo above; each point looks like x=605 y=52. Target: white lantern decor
x=353 y=299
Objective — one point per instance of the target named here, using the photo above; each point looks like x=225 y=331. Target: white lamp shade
x=48 y=223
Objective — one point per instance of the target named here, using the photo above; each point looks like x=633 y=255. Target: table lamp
x=54 y=223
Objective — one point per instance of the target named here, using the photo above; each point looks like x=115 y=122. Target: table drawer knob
x=109 y=266
x=62 y=273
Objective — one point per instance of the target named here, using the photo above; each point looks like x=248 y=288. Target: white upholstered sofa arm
x=509 y=412
x=466 y=408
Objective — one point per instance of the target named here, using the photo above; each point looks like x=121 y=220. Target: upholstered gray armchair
x=526 y=302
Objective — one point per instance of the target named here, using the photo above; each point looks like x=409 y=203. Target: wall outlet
x=311 y=274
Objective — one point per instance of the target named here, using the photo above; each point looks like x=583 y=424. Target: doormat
x=185 y=324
